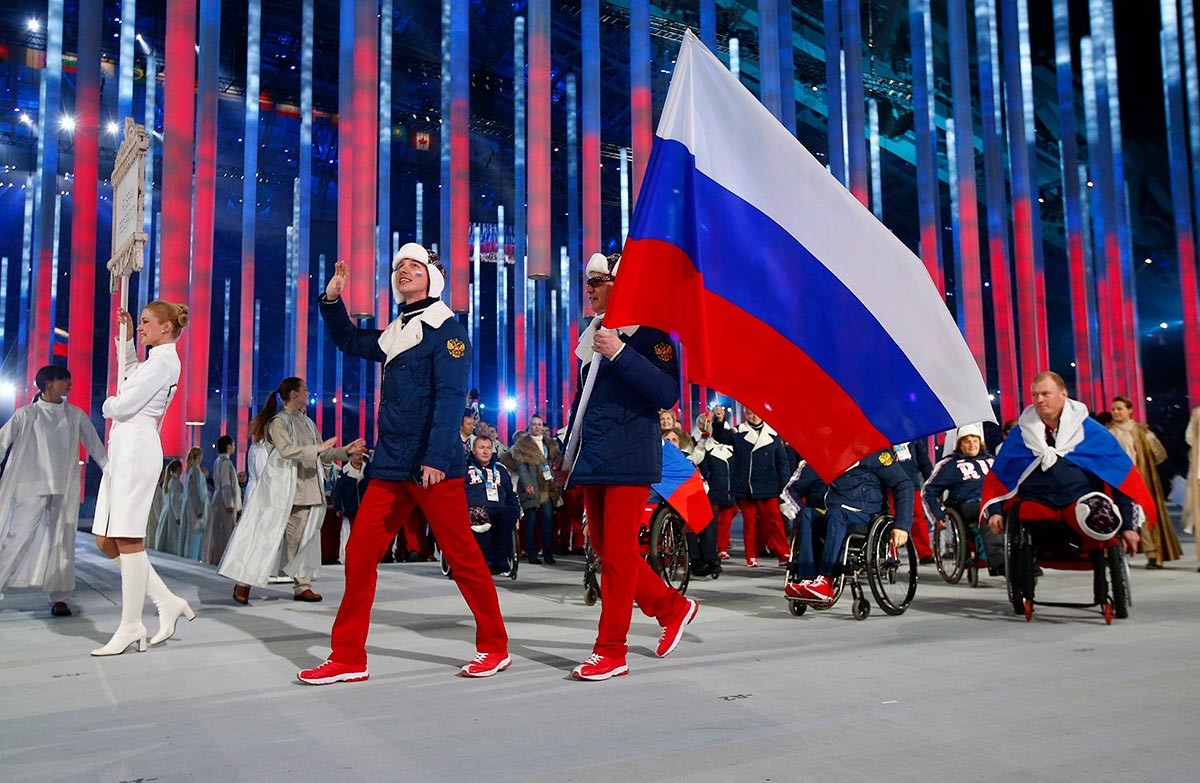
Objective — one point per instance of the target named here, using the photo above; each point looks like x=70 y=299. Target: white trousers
x=29 y=512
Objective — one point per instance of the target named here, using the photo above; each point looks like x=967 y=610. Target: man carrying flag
x=772 y=263
x=1064 y=465
x=615 y=453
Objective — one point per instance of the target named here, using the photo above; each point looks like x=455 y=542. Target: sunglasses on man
x=598 y=280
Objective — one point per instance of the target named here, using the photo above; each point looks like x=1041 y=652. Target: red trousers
x=614 y=518
x=568 y=521
x=725 y=515
x=920 y=529
x=765 y=511
x=384 y=508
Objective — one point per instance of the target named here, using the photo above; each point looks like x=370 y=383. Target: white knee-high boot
x=170 y=606
x=133 y=598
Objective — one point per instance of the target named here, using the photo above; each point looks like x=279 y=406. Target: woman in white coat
x=39 y=491
x=195 y=505
x=170 y=509
x=134 y=459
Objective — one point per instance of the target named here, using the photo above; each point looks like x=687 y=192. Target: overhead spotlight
x=1149 y=260
x=26 y=121
x=142 y=42
x=34 y=25
x=510 y=405
x=66 y=122
x=1163 y=325
x=113 y=128
x=8 y=389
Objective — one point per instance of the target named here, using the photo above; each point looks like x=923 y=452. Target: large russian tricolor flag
x=785 y=291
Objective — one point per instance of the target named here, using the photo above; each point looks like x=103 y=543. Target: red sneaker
x=820 y=588
x=486 y=665
x=600 y=667
x=723 y=555
x=672 y=630
x=797 y=589
x=331 y=672
x=751 y=562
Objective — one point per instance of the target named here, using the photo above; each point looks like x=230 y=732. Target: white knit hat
x=437 y=281
x=598 y=265
x=968 y=430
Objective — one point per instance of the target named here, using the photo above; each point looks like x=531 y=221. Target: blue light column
x=125 y=73
x=833 y=88
x=855 y=108
x=150 y=121
x=708 y=24
x=925 y=139
x=383 y=234
x=304 y=194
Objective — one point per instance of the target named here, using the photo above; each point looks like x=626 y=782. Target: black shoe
x=388 y=558
x=535 y=560
x=548 y=559
x=996 y=570
x=413 y=557
x=60 y=609
x=927 y=560
x=1153 y=565
x=701 y=569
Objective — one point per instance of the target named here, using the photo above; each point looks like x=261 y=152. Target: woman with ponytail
x=288 y=501
x=135 y=460
x=40 y=487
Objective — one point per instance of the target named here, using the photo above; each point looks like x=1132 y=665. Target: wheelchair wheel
x=891 y=571
x=797 y=608
x=668 y=548
x=514 y=557
x=591 y=576
x=1014 y=557
x=1118 y=580
x=950 y=547
x=973 y=575
x=861 y=609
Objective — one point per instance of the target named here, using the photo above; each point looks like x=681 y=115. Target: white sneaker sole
x=489 y=673
x=347 y=677
x=620 y=671
x=695 y=607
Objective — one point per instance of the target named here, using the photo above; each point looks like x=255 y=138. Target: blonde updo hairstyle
x=170 y=313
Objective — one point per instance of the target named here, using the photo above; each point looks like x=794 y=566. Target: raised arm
x=348 y=338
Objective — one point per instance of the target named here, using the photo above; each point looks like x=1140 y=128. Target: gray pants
x=292 y=536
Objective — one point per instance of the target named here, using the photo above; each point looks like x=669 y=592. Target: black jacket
x=760 y=461
x=809 y=489
x=715 y=470
x=421 y=401
x=917 y=466
x=477 y=479
x=347 y=493
x=865 y=485
x=959 y=478
x=621 y=442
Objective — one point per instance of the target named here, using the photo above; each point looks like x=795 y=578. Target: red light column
x=83 y=214
x=195 y=407
x=179 y=111
x=539 y=142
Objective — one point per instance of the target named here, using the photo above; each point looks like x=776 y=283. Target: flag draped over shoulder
x=785 y=291
x=682 y=487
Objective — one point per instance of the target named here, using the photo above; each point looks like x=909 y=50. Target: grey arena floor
x=958 y=688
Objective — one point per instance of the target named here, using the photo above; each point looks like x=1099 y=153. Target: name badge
x=546 y=474
x=493 y=493
x=902 y=452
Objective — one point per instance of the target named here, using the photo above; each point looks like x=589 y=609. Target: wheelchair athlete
x=493 y=504
x=957 y=483
x=1062 y=465
x=852 y=499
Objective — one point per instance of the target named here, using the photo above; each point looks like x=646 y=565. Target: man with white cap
x=418 y=461
x=614 y=452
x=957 y=482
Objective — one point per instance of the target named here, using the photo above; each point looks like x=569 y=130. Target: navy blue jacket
x=476 y=483
x=621 y=442
x=717 y=472
x=959 y=478
x=864 y=487
x=758 y=473
x=809 y=489
x=917 y=466
x=421 y=400
x=347 y=493
x=1064 y=484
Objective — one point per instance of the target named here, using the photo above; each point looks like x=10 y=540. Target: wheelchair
x=1027 y=550
x=959 y=548
x=512 y=563
x=663 y=542
x=890 y=572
